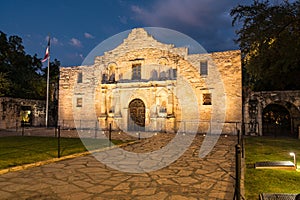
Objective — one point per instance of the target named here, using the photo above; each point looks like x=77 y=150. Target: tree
x=53 y=78
x=21 y=74
x=5 y=84
x=270 y=45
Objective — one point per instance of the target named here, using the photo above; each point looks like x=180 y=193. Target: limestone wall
x=224 y=82
x=165 y=72
x=137 y=39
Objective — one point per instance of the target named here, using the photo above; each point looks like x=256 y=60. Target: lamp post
x=294 y=155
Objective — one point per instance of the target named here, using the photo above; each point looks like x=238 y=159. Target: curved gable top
x=139 y=39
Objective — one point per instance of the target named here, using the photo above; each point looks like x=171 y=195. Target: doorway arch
x=136 y=115
x=276 y=121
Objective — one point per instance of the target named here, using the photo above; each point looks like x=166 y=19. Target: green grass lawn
x=270 y=180
x=17 y=150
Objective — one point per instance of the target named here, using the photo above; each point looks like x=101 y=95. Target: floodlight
x=292 y=154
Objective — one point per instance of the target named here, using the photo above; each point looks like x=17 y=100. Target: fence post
x=109 y=134
x=243 y=147
x=238 y=172
x=239 y=136
x=58 y=143
x=55 y=131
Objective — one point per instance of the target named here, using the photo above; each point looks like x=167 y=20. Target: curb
x=53 y=160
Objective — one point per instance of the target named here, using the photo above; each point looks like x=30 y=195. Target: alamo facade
x=146 y=85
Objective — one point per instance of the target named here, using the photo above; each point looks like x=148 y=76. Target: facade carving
x=136 y=86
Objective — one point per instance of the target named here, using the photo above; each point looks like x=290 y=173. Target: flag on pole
x=47 y=51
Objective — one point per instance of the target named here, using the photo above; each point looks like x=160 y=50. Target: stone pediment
x=139 y=39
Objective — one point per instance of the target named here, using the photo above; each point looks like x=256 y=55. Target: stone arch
x=163 y=61
x=135 y=94
x=289 y=100
x=139 y=95
x=276 y=120
x=111 y=72
x=136 y=115
x=293 y=112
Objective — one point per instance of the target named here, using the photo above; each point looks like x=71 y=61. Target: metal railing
x=207 y=127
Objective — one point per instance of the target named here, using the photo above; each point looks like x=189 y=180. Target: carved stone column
x=103 y=103
x=117 y=104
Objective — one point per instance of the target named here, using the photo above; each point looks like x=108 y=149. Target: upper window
x=172 y=73
x=79 y=102
x=203 y=68
x=79 y=77
x=136 y=72
x=207 y=99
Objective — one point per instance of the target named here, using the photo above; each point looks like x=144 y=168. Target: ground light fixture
x=294 y=155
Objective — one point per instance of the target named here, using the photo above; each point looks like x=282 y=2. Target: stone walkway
x=189 y=177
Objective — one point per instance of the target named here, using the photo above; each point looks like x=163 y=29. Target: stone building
x=146 y=85
x=275 y=113
x=15 y=111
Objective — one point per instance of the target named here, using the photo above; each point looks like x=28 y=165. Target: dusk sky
x=76 y=27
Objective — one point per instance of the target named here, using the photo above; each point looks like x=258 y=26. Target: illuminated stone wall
x=11 y=111
x=101 y=93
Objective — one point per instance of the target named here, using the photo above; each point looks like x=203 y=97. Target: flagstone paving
x=189 y=177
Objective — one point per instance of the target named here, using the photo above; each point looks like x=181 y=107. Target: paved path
x=189 y=177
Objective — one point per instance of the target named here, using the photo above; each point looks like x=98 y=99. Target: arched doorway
x=136 y=115
x=276 y=121
x=26 y=116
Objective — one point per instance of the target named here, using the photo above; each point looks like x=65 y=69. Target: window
x=79 y=102
x=207 y=99
x=136 y=72
x=175 y=73
x=203 y=68
x=79 y=77
x=172 y=74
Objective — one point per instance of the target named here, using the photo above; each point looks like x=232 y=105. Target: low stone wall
x=11 y=112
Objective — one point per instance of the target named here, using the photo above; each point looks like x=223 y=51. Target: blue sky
x=76 y=27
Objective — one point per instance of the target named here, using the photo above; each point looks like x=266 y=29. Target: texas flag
x=47 y=54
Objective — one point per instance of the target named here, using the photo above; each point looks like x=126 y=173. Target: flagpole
x=47 y=100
